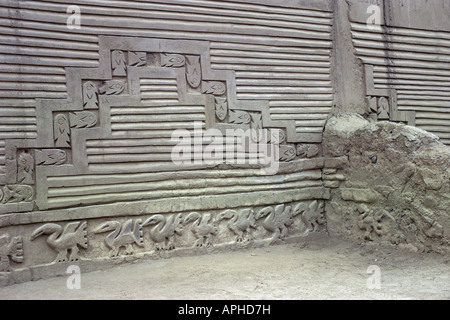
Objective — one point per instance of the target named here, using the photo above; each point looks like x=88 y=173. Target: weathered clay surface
x=88 y=118
x=397 y=187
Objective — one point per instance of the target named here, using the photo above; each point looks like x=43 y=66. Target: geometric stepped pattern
x=118 y=119
x=408 y=71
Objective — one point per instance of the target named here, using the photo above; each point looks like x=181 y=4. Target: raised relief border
x=383 y=102
x=64 y=125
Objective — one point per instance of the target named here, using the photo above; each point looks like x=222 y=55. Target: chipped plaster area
x=396 y=188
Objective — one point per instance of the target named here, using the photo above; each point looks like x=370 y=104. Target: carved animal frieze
x=122 y=236
x=312 y=214
x=277 y=220
x=49 y=157
x=373 y=222
x=25 y=168
x=11 y=249
x=241 y=223
x=17 y=193
x=61 y=240
x=203 y=228
x=164 y=230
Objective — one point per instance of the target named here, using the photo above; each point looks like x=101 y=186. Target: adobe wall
x=91 y=96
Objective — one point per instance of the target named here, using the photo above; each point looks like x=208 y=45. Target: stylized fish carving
x=239 y=117
x=17 y=193
x=287 y=152
x=49 y=157
x=118 y=63
x=83 y=119
x=62 y=131
x=112 y=87
x=64 y=240
x=221 y=108
x=193 y=71
x=216 y=88
x=172 y=60
x=90 y=99
x=25 y=168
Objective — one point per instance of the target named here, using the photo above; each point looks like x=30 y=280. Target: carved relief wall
x=407 y=62
x=396 y=183
x=87 y=115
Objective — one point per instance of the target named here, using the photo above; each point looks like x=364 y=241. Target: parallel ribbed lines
x=133 y=128
x=278 y=53
x=159 y=91
x=89 y=190
x=17 y=120
x=417 y=64
x=294 y=78
x=2 y=152
x=130 y=122
x=194 y=11
x=291 y=78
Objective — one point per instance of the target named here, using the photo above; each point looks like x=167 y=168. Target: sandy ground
x=322 y=269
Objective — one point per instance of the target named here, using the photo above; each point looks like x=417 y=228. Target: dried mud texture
x=396 y=185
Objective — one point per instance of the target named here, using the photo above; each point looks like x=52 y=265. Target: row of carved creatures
x=163 y=229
